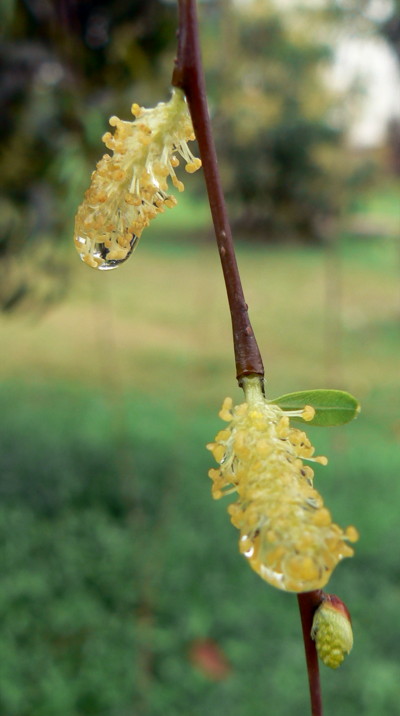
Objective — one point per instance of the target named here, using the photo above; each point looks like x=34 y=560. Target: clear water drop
x=108 y=264
x=277 y=579
x=98 y=257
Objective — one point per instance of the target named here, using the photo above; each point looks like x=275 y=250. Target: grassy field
x=116 y=564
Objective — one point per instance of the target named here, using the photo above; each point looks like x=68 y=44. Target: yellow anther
x=222 y=435
x=178 y=184
x=136 y=110
x=218 y=452
x=352 y=534
x=225 y=412
x=217 y=494
x=213 y=473
x=321 y=459
x=193 y=166
x=308 y=413
x=108 y=140
x=322 y=517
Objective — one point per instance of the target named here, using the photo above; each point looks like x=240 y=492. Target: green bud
x=332 y=632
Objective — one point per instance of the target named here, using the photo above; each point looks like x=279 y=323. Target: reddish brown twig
x=308 y=602
x=189 y=76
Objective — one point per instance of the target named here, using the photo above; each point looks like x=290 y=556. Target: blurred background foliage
x=122 y=591
x=66 y=66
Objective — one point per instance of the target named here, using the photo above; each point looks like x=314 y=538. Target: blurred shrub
x=122 y=590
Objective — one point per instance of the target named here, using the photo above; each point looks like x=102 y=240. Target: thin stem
x=189 y=76
x=308 y=601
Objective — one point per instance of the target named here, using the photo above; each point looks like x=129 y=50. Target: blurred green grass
x=115 y=559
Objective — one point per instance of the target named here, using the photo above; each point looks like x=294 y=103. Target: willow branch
x=189 y=76
x=308 y=601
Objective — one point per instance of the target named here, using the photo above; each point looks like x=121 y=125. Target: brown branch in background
x=308 y=602
x=189 y=76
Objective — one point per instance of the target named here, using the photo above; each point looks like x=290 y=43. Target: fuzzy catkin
x=130 y=187
x=286 y=532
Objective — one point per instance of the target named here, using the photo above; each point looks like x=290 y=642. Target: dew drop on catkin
x=101 y=253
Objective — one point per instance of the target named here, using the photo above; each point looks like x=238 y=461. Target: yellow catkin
x=129 y=187
x=286 y=532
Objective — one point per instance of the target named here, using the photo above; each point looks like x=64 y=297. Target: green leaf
x=332 y=407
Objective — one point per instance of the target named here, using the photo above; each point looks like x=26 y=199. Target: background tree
x=274 y=126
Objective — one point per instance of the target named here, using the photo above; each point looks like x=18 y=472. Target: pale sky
x=371 y=61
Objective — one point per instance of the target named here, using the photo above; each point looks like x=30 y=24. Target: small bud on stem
x=331 y=631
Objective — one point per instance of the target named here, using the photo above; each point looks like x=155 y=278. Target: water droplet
x=98 y=256
x=277 y=579
x=102 y=252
